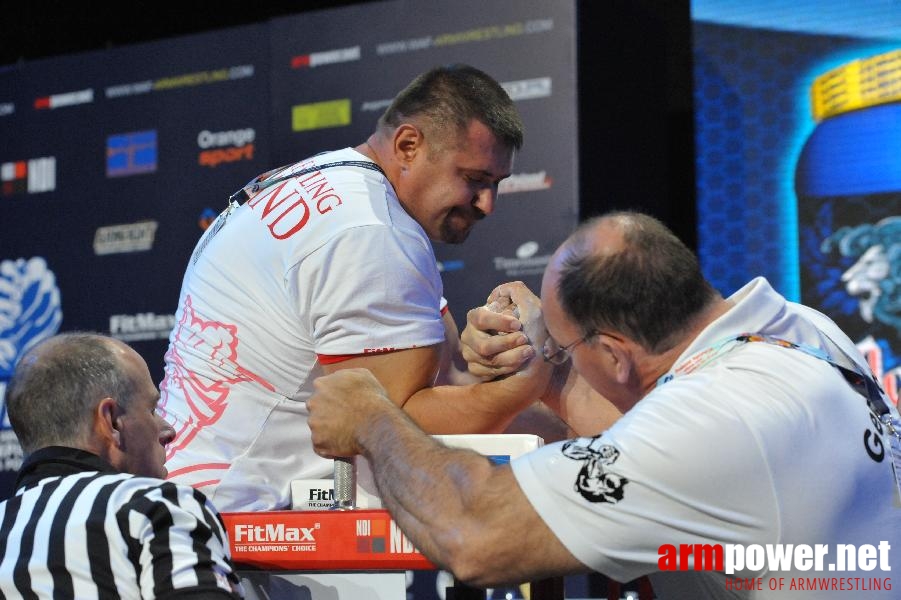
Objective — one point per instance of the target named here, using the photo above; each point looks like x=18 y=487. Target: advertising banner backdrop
x=108 y=162
x=113 y=162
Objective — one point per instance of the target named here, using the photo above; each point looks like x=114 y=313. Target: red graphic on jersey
x=216 y=344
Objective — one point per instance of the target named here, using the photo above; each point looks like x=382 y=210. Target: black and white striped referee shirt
x=76 y=528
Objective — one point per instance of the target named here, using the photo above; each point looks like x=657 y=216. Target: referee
x=92 y=516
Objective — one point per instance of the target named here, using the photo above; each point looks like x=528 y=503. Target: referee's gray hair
x=57 y=384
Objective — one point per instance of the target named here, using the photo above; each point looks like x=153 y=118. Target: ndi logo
x=380 y=535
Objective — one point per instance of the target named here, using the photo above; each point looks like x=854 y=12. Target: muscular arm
x=392 y=300
x=448 y=409
x=467 y=405
x=452 y=369
x=585 y=411
x=456 y=507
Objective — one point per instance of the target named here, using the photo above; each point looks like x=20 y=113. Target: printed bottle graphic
x=848 y=186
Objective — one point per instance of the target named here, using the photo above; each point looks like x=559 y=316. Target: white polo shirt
x=762 y=445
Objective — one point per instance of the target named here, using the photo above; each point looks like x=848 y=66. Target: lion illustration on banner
x=875 y=278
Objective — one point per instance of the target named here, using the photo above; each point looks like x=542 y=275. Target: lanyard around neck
x=864 y=384
x=266 y=180
x=263 y=181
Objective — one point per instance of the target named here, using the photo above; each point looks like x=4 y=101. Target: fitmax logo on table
x=274 y=537
x=274 y=533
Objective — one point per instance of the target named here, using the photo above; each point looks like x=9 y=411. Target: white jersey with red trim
x=326 y=264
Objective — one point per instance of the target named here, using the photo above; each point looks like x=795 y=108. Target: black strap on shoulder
x=261 y=182
x=864 y=383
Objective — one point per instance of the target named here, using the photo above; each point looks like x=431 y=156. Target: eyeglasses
x=556 y=354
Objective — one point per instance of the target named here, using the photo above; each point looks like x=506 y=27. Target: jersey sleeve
x=656 y=477
x=179 y=543
x=370 y=289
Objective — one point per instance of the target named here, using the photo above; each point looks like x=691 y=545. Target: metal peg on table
x=345 y=484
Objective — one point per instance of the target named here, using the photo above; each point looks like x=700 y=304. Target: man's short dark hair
x=651 y=290
x=56 y=385
x=450 y=97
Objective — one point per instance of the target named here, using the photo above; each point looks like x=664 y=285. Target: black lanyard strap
x=864 y=383
x=261 y=182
